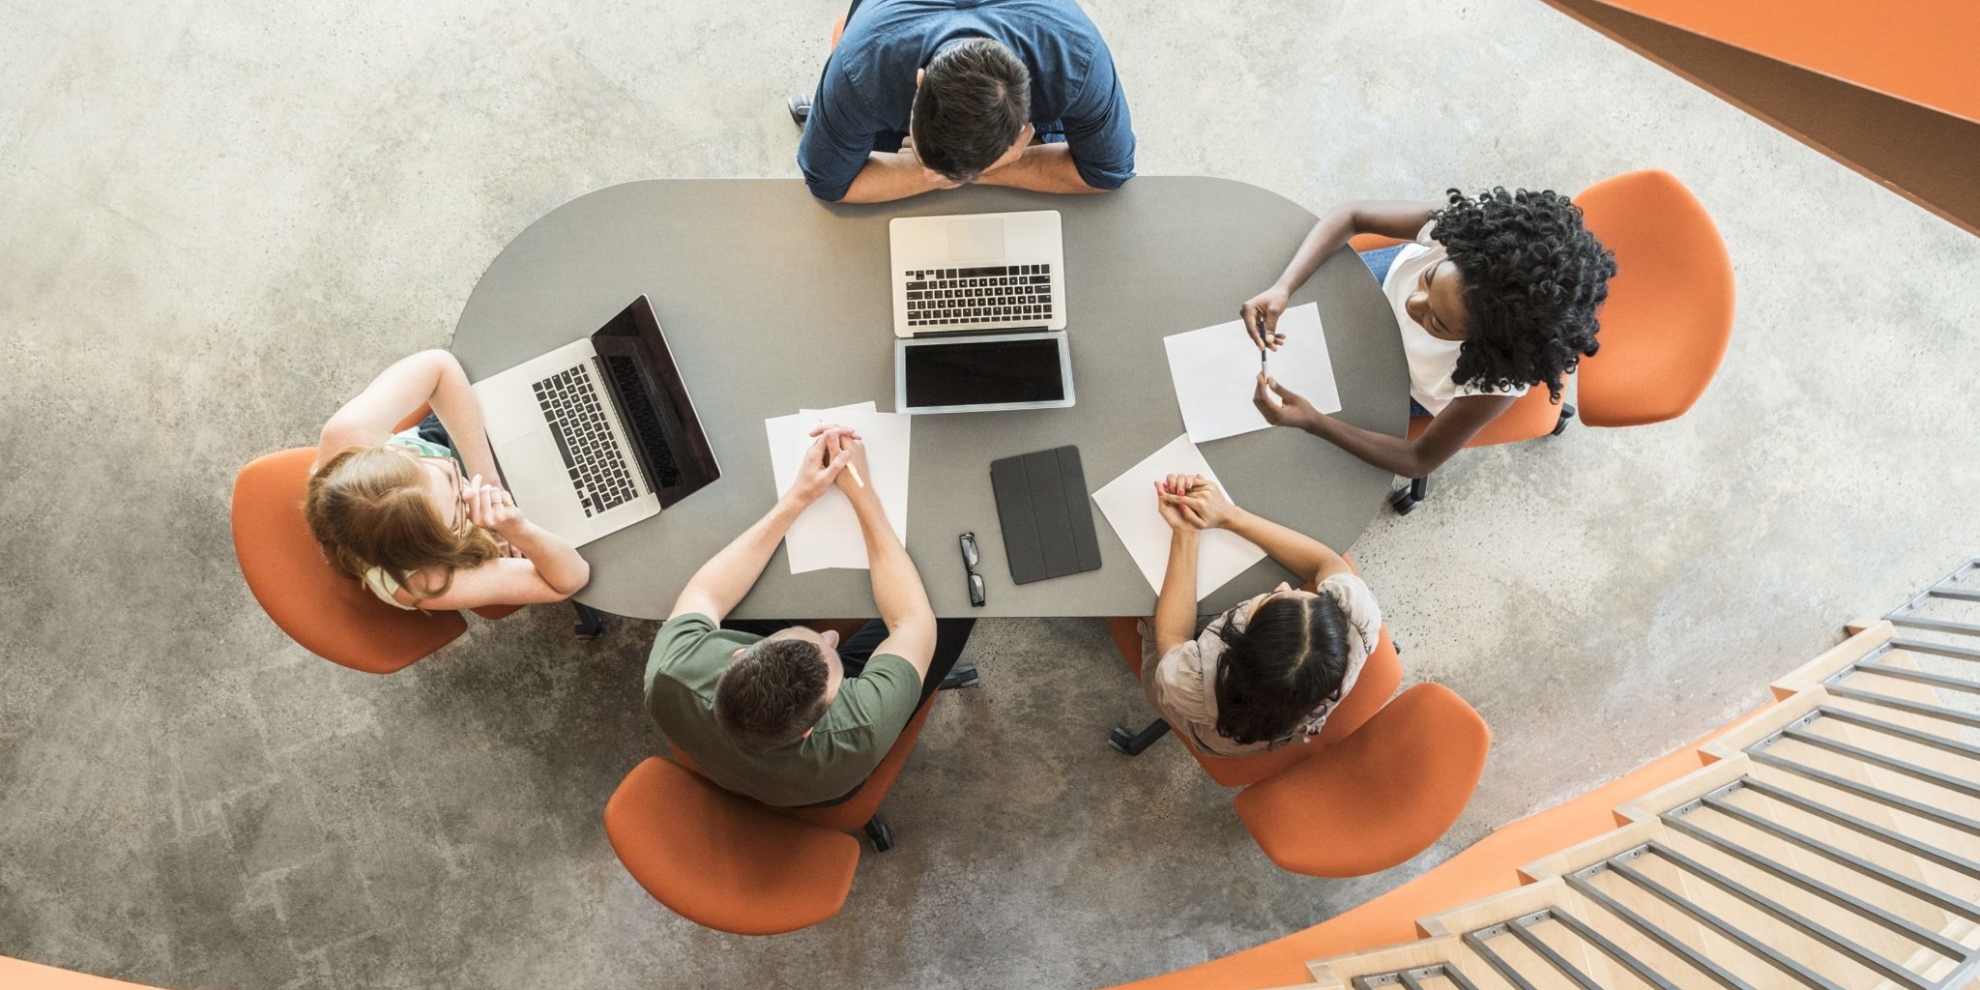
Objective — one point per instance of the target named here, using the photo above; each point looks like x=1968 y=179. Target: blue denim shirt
x=867 y=89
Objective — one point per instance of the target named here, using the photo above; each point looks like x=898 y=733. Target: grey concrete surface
x=223 y=217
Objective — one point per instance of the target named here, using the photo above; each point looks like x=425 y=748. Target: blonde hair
x=366 y=507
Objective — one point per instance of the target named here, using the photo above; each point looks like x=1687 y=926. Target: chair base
x=961 y=677
x=1567 y=416
x=1404 y=500
x=879 y=833
x=590 y=622
x=1132 y=743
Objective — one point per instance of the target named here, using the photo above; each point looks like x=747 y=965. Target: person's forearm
x=1175 y=607
x=1328 y=234
x=454 y=402
x=554 y=558
x=888 y=176
x=1399 y=219
x=897 y=587
x=1394 y=454
x=1046 y=168
x=729 y=575
x=1295 y=551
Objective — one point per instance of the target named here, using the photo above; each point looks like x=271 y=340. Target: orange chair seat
x=724 y=861
x=1669 y=315
x=329 y=614
x=1530 y=417
x=1380 y=797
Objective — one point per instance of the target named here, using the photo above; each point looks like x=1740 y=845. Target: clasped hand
x=836 y=449
x=1193 y=502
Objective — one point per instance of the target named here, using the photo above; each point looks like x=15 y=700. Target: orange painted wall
x=1921 y=51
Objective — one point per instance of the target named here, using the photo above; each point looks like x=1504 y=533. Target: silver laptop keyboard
x=941 y=297
x=577 y=420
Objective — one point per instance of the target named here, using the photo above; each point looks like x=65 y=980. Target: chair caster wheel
x=1567 y=416
x=880 y=834
x=1122 y=739
x=961 y=677
x=1403 y=502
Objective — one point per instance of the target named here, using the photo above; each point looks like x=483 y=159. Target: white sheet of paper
x=1128 y=502
x=1216 y=370
x=827 y=533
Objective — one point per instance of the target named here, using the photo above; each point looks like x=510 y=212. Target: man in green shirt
x=787 y=719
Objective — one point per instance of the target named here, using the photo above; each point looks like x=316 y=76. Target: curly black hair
x=1533 y=278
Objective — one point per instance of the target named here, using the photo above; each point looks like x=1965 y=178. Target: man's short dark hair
x=972 y=104
x=772 y=693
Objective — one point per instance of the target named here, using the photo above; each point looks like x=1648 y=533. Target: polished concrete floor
x=221 y=218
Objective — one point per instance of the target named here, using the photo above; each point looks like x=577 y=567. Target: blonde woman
x=419 y=517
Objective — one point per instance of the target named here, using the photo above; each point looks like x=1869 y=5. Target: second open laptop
x=599 y=433
x=985 y=271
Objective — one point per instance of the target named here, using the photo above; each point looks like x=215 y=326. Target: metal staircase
x=1832 y=841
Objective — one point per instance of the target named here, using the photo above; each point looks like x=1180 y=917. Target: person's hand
x=492 y=508
x=855 y=479
x=1261 y=314
x=822 y=464
x=1281 y=406
x=1206 y=502
x=1172 y=501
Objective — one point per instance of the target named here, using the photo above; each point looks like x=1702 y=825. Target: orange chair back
x=331 y=615
x=724 y=861
x=1383 y=795
x=1669 y=315
x=1530 y=417
x=1372 y=242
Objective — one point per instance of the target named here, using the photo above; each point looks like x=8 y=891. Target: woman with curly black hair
x=1496 y=293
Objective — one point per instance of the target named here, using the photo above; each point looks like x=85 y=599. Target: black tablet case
x=1047 y=520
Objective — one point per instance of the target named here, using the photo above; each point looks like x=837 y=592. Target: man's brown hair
x=772 y=694
x=973 y=102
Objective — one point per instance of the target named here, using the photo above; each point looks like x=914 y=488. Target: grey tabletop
x=772 y=301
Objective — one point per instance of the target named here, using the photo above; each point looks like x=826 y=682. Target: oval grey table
x=773 y=301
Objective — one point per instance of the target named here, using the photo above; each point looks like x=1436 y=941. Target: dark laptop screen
x=981 y=373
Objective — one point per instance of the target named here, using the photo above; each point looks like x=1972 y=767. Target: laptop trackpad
x=538 y=479
x=976 y=239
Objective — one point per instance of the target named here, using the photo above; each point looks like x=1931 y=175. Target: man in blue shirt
x=932 y=94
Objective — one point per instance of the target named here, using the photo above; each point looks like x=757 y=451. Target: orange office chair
x=327 y=613
x=1380 y=797
x=1669 y=316
x=1530 y=417
x=724 y=861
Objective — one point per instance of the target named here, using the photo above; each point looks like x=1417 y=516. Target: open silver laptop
x=599 y=433
x=986 y=271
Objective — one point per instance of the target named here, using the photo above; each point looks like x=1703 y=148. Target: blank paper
x=1216 y=370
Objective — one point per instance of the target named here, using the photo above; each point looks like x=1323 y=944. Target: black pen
x=1261 y=344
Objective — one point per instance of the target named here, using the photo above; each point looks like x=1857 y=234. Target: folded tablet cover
x=1047 y=518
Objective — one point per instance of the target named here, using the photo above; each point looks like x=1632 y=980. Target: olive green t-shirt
x=840 y=753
